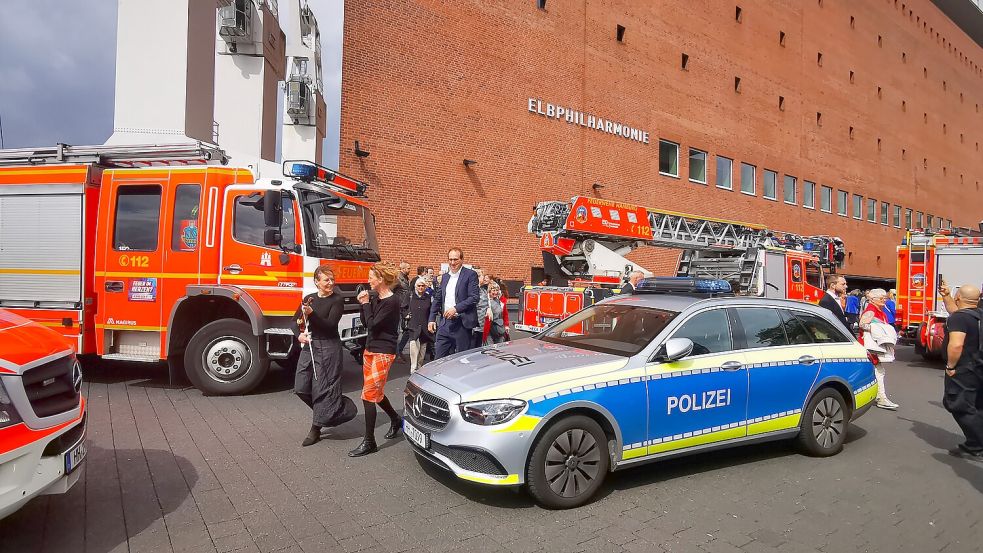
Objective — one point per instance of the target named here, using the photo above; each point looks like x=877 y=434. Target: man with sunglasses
x=455 y=306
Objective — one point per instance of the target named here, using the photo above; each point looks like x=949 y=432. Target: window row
x=863 y=208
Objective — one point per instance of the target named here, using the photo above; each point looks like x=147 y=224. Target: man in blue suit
x=456 y=302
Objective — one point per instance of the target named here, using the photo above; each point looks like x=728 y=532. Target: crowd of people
x=434 y=313
x=871 y=315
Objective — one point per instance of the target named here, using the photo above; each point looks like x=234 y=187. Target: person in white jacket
x=874 y=311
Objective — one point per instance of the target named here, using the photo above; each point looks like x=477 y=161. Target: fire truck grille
x=429 y=411
x=51 y=387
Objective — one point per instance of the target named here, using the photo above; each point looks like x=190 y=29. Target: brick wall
x=427 y=84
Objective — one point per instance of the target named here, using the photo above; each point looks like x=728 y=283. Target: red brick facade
x=427 y=84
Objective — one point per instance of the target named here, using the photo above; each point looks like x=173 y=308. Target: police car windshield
x=622 y=330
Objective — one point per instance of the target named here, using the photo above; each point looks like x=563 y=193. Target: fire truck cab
x=163 y=253
x=925 y=258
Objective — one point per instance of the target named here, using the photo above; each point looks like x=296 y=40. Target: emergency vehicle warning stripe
x=128 y=327
x=28 y=271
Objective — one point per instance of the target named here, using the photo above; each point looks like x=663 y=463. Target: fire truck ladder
x=918 y=246
x=194 y=153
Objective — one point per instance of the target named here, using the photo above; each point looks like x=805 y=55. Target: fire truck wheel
x=225 y=358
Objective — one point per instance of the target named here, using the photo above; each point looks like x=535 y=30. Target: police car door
x=782 y=364
x=702 y=398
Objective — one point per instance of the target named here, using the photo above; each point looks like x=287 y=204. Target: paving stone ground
x=170 y=470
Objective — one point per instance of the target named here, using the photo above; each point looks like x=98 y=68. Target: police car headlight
x=496 y=411
x=8 y=413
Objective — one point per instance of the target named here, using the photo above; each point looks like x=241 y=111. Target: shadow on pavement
x=940 y=438
x=114 y=499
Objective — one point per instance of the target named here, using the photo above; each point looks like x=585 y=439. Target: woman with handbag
x=497 y=316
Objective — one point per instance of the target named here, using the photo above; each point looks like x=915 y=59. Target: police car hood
x=514 y=366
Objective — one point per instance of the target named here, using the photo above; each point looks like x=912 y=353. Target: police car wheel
x=568 y=464
x=225 y=358
x=822 y=430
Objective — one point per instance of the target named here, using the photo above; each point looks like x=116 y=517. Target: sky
x=57 y=71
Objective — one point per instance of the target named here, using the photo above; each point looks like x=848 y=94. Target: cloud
x=57 y=71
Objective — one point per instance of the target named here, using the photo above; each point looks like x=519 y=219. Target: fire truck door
x=271 y=273
x=129 y=315
x=774 y=275
x=795 y=273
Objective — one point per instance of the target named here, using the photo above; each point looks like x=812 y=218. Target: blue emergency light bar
x=309 y=171
x=687 y=285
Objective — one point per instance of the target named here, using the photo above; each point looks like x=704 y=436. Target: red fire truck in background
x=925 y=258
x=585 y=241
x=149 y=253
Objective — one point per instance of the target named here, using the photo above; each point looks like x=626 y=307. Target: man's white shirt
x=450 y=292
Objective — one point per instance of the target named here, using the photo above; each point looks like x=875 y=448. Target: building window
x=685 y=61
x=948 y=224
x=808 y=194
x=542 y=4
x=897 y=216
x=907 y=219
x=858 y=206
x=781 y=38
x=738 y=14
x=826 y=199
x=929 y=221
x=668 y=158
x=725 y=168
x=747 y=178
x=788 y=190
x=621 y=33
x=737 y=84
x=771 y=185
x=697 y=166
x=781 y=103
x=871 y=210
x=841 y=201
x=918 y=219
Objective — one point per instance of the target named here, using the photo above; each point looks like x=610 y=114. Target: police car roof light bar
x=309 y=171
x=686 y=285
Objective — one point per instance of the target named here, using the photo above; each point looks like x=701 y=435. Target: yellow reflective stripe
x=27 y=271
x=521 y=424
x=126 y=274
x=635 y=452
x=503 y=481
x=865 y=397
x=719 y=436
x=279 y=313
x=129 y=327
x=781 y=423
x=249 y=277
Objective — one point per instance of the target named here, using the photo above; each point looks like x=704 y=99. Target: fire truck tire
x=225 y=358
x=919 y=347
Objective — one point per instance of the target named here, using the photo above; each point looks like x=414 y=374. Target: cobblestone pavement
x=171 y=470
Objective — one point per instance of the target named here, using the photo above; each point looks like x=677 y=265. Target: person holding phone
x=964 y=370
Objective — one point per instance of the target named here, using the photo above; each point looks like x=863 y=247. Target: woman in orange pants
x=380 y=315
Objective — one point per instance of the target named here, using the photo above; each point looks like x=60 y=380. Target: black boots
x=367 y=446
x=313 y=437
x=394 y=428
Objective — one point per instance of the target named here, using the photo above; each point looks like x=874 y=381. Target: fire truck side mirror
x=272 y=237
x=273 y=209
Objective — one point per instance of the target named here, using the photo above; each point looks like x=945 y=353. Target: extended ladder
x=193 y=153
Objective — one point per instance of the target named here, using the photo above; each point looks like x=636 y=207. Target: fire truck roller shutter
x=41 y=261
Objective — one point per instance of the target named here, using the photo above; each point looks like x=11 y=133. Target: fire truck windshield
x=336 y=229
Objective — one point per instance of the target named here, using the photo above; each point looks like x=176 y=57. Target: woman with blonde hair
x=380 y=315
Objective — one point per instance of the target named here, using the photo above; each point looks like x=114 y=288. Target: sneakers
x=885 y=403
x=966 y=453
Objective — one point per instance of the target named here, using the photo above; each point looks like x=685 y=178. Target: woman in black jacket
x=318 y=378
x=416 y=314
x=380 y=315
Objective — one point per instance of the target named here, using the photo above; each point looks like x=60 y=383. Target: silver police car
x=634 y=379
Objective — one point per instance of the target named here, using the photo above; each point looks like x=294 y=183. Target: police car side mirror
x=673 y=349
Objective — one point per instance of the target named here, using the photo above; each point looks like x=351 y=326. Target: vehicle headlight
x=491 y=412
x=8 y=413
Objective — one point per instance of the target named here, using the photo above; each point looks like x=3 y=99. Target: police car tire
x=807 y=439
x=235 y=330
x=536 y=479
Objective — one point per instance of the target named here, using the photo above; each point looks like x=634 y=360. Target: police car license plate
x=74 y=457
x=415 y=435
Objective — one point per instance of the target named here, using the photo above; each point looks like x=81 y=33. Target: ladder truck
x=584 y=243
x=925 y=258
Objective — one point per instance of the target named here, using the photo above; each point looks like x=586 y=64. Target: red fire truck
x=585 y=241
x=925 y=257
x=149 y=253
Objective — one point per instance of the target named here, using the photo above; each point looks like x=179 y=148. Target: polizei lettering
x=698 y=402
